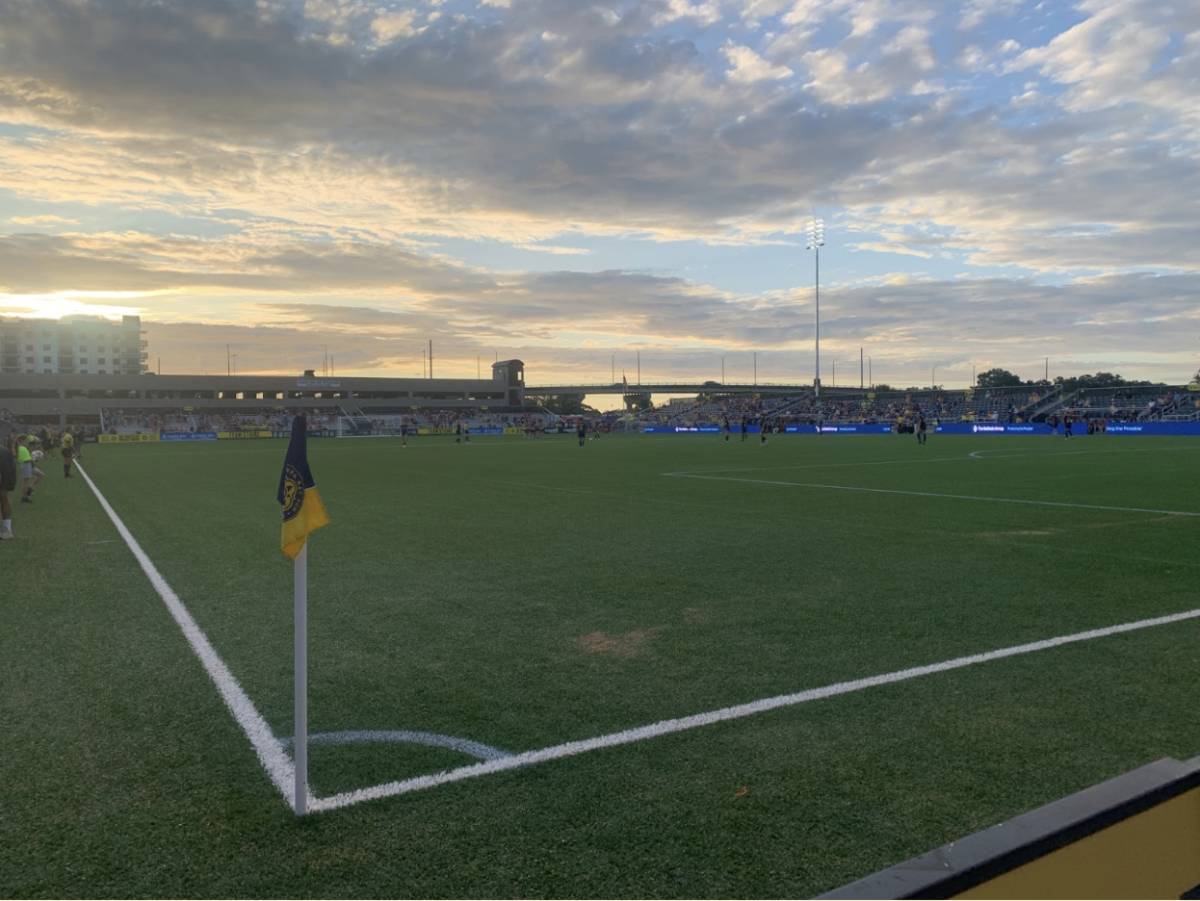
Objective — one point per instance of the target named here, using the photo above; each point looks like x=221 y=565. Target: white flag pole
x=300 y=743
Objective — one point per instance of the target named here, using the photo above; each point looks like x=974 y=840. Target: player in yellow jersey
x=68 y=451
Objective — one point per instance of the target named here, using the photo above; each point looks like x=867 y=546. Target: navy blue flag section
x=303 y=511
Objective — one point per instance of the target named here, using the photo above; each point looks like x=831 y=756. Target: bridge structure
x=708 y=387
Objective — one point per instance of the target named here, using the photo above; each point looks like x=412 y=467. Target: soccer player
x=744 y=428
x=404 y=433
x=725 y=426
x=762 y=432
x=1067 y=423
x=68 y=451
x=920 y=427
x=8 y=482
x=581 y=431
x=30 y=473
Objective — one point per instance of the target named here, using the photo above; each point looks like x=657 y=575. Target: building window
x=29 y=347
x=102 y=361
x=29 y=359
x=100 y=348
x=46 y=360
x=82 y=361
x=45 y=347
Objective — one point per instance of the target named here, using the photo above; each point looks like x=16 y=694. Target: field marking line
x=280 y=769
x=960 y=497
x=992 y=454
x=681 y=724
x=271 y=754
x=402 y=736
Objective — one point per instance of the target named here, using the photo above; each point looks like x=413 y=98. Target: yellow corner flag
x=303 y=511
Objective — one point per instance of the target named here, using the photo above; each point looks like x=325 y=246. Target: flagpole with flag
x=303 y=512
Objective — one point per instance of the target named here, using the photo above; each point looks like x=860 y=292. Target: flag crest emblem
x=303 y=511
x=293 y=492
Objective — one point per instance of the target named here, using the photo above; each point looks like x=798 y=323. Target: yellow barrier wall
x=1153 y=854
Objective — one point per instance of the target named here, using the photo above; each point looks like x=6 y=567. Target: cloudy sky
x=575 y=183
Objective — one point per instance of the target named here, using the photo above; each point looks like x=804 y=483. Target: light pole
x=614 y=366
x=816 y=238
x=756 y=367
x=722 y=369
x=233 y=359
x=833 y=374
x=870 y=375
x=933 y=378
x=228 y=370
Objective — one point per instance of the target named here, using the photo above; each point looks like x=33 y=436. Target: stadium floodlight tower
x=816 y=239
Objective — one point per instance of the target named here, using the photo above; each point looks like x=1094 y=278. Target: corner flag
x=303 y=511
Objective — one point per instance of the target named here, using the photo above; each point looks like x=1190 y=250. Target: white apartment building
x=83 y=345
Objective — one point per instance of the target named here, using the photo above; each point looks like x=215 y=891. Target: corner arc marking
x=432 y=739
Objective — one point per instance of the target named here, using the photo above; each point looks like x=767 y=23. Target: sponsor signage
x=188 y=436
x=318 y=383
x=994 y=428
x=685 y=429
x=856 y=428
x=128 y=439
x=246 y=434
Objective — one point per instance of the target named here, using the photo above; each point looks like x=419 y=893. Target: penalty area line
x=957 y=497
x=681 y=724
x=271 y=755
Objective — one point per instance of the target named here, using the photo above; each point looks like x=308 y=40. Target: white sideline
x=957 y=497
x=280 y=769
x=275 y=761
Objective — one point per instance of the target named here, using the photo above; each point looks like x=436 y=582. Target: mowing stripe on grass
x=666 y=727
x=275 y=761
x=957 y=497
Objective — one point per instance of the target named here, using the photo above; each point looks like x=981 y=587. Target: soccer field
x=687 y=665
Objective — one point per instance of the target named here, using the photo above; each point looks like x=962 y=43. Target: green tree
x=997 y=378
x=567 y=405
x=635 y=403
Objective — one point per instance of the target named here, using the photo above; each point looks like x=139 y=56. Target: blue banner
x=995 y=428
x=1078 y=428
x=684 y=429
x=850 y=428
x=188 y=436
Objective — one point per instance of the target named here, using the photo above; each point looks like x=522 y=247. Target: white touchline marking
x=666 y=727
x=959 y=497
x=280 y=769
x=270 y=752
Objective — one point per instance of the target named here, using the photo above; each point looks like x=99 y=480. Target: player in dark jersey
x=8 y=482
x=920 y=427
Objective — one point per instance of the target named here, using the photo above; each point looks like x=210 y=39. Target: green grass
x=525 y=594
